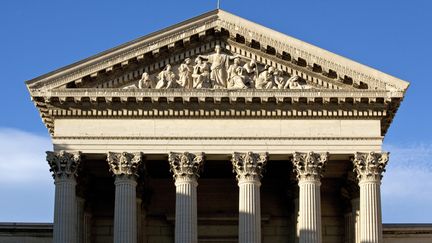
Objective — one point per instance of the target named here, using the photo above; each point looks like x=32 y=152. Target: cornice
x=203 y=93
x=216 y=138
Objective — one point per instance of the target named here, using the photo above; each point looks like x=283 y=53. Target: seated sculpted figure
x=145 y=81
x=235 y=76
x=201 y=74
x=185 y=74
x=251 y=69
x=265 y=79
x=279 y=79
x=166 y=79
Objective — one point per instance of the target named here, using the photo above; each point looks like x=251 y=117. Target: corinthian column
x=369 y=168
x=185 y=168
x=64 y=168
x=249 y=167
x=124 y=166
x=308 y=167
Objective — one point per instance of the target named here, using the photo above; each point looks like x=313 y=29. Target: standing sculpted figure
x=185 y=74
x=201 y=74
x=219 y=65
x=166 y=79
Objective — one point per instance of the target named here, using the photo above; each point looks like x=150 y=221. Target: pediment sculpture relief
x=220 y=71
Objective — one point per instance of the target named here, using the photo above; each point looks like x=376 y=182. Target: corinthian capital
x=370 y=166
x=124 y=164
x=309 y=166
x=63 y=164
x=185 y=165
x=249 y=166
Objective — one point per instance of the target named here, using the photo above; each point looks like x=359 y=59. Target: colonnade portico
x=364 y=225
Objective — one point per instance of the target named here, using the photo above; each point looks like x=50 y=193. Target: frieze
x=219 y=70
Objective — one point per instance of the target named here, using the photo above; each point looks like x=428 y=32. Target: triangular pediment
x=125 y=65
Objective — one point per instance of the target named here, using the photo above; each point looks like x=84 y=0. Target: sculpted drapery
x=220 y=71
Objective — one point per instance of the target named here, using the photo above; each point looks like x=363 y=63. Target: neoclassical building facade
x=217 y=129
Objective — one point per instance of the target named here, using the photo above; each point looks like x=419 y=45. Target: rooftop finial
x=218 y=4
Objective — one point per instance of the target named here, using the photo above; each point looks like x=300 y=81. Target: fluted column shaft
x=249 y=211
x=186 y=167
x=125 y=221
x=64 y=166
x=65 y=211
x=249 y=167
x=186 y=211
x=308 y=167
x=369 y=168
x=124 y=167
x=310 y=211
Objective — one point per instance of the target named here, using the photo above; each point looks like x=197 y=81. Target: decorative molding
x=124 y=164
x=370 y=166
x=215 y=138
x=309 y=166
x=249 y=166
x=63 y=164
x=185 y=165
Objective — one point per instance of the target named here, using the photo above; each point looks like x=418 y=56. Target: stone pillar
x=348 y=227
x=249 y=167
x=369 y=168
x=355 y=203
x=185 y=168
x=64 y=168
x=308 y=167
x=124 y=166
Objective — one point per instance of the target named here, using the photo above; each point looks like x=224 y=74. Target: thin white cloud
x=407 y=185
x=24 y=177
x=22 y=158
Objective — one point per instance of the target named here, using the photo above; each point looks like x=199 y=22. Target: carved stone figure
x=251 y=69
x=293 y=83
x=166 y=79
x=237 y=81
x=185 y=74
x=145 y=81
x=219 y=65
x=279 y=79
x=265 y=79
x=201 y=74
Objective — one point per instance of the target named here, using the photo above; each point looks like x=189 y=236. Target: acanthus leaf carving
x=186 y=165
x=63 y=164
x=124 y=164
x=309 y=166
x=249 y=166
x=370 y=166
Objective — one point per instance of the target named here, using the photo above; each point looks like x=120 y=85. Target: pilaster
x=308 y=167
x=63 y=166
x=185 y=168
x=369 y=168
x=249 y=168
x=125 y=166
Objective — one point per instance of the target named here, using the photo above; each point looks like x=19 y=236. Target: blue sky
x=40 y=36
